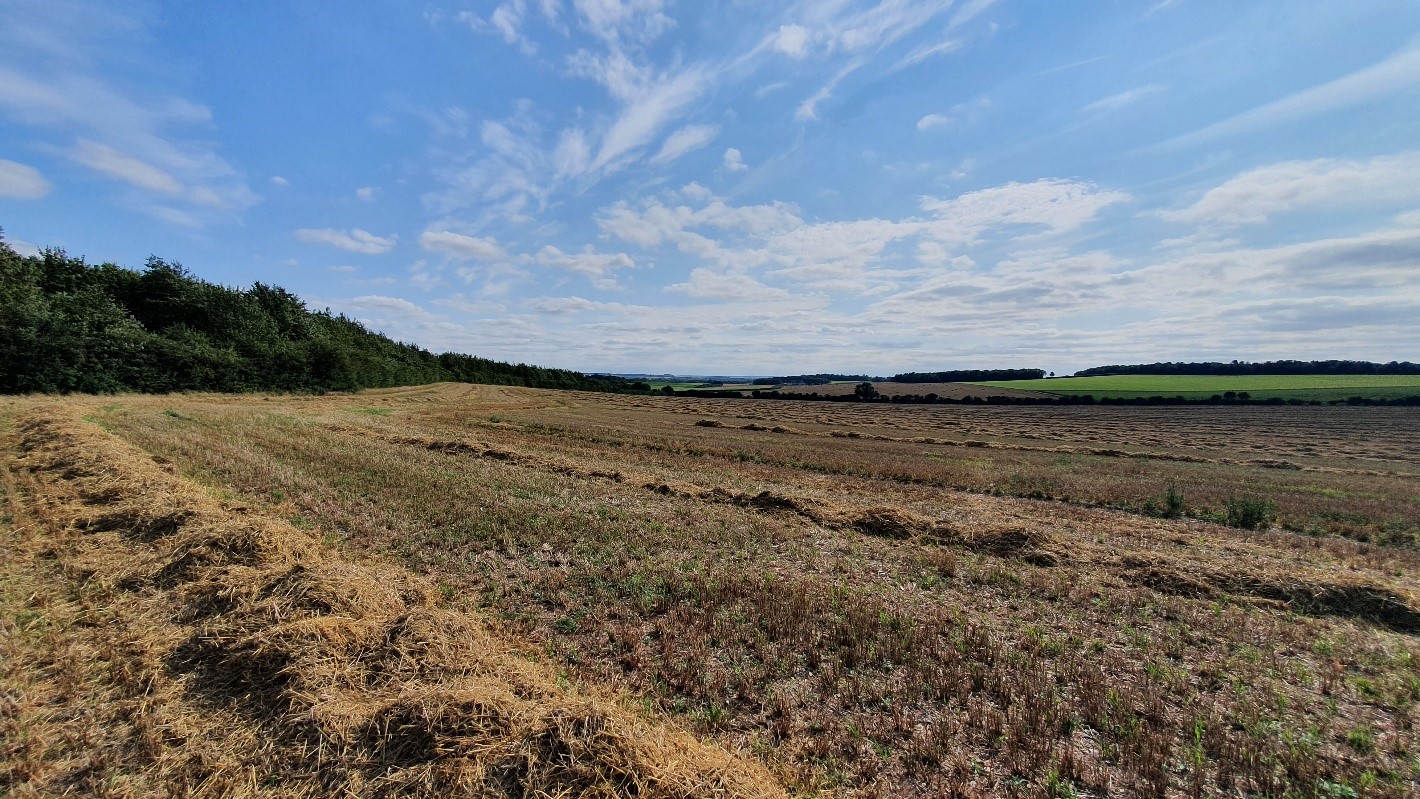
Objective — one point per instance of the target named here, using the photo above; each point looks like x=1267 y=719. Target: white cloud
x=656 y=223
x=770 y=88
x=933 y=121
x=1396 y=74
x=932 y=51
x=564 y=306
x=505 y=21
x=931 y=253
x=696 y=192
x=57 y=80
x=506 y=18
x=23 y=247
x=883 y=23
x=22 y=182
x=736 y=287
x=121 y=166
x=865 y=33
x=734 y=161
x=808 y=109
x=461 y=246
x=1254 y=196
x=573 y=154
x=460 y=304
x=277 y=180
x=688 y=138
x=623 y=20
x=1114 y=102
x=792 y=40
x=861 y=256
x=356 y=240
x=647 y=112
x=1055 y=204
x=594 y=265
x=1408 y=218
x=961 y=113
x=366 y=193
x=343 y=269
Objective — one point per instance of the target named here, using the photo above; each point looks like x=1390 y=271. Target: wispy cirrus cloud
x=862 y=34
x=356 y=240
x=158 y=144
x=1114 y=102
x=22 y=182
x=684 y=140
x=1393 y=75
x=121 y=166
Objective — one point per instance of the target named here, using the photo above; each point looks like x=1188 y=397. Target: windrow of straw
x=1031 y=545
x=243 y=658
x=1305 y=593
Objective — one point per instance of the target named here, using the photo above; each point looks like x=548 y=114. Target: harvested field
x=159 y=642
x=1306 y=388
x=861 y=600
x=890 y=389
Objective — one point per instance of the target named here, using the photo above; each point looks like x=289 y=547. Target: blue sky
x=748 y=187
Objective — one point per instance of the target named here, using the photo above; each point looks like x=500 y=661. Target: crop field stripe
x=1209 y=384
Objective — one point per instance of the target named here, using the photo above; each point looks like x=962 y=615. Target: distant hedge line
x=1239 y=398
x=67 y=326
x=1261 y=368
x=969 y=376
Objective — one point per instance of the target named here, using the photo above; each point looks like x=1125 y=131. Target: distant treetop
x=68 y=326
x=822 y=379
x=969 y=376
x=1259 y=368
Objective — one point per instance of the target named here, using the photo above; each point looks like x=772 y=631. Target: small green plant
x=1250 y=513
x=1059 y=786
x=1335 y=790
x=1173 y=502
x=1361 y=740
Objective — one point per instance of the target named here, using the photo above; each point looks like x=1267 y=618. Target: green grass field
x=1303 y=387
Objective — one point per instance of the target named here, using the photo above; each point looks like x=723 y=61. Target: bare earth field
x=213 y=594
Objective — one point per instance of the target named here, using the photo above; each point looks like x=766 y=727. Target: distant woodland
x=68 y=326
x=969 y=376
x=821 y=379
x=1261 y=368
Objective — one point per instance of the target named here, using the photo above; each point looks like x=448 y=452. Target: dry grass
x=160 y=642
x=809 y=583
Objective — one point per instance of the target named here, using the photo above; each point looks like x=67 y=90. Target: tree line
x=69 y=326
x=1333 y=367
x=821 y=379
x=969 y=376
x=1225 y=398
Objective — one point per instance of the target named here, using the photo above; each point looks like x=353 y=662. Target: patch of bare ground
x=874 y=615
x=158 y=641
